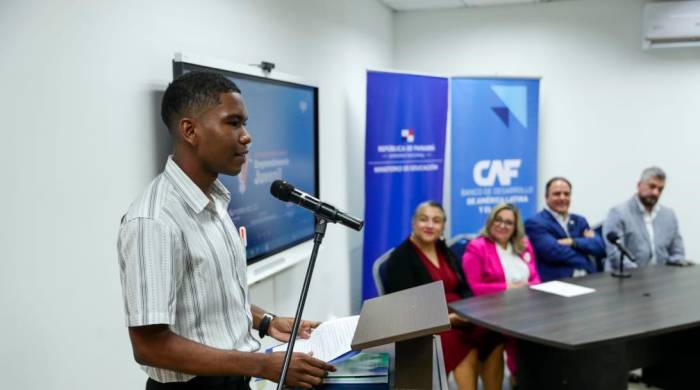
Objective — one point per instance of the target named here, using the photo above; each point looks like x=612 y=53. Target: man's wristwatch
x=265 y=324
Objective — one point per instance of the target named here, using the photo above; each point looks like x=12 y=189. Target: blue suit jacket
x=557 y=261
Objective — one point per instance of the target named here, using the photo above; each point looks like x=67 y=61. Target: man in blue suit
x=563 y=242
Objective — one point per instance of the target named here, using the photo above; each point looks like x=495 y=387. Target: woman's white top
x=515 y=268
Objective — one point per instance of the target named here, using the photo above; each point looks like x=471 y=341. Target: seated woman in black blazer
x=424 y=258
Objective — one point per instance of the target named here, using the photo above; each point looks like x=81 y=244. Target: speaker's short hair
x=188 y=94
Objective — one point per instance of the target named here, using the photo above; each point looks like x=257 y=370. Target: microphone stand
x=320 y=231
x=621 y=273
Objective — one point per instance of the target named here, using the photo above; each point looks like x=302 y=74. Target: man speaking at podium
x=183 y=267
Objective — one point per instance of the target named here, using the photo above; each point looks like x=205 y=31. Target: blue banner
x=404 y=152
x=494 y=148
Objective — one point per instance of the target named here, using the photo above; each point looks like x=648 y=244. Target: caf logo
x=503 y=170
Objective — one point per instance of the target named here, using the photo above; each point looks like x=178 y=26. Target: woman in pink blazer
x=500 y=259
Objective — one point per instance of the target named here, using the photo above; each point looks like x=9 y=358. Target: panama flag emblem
x=407 y=135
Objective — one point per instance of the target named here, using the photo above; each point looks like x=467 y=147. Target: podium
x=408 y=318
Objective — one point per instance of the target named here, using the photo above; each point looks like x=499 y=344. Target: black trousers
x=202 y=383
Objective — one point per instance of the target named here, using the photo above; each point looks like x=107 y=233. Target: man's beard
x=648 y=201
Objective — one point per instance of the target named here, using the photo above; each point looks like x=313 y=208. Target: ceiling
x=412 y=5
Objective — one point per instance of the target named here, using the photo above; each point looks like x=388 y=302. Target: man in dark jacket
x=564 y=243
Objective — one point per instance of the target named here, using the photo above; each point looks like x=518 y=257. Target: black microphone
x=287 y=193
x=614 y=239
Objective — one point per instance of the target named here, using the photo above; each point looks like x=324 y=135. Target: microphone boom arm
x=320 y=231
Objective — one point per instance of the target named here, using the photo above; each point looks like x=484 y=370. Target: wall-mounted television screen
x=283 y=123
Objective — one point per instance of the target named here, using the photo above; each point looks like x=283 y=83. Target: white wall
x=608 y=108
x=80 y=84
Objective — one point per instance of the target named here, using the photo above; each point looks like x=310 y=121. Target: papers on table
x=563 y=289
x=328 y=341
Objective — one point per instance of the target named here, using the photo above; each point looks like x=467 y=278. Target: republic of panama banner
x=494 y=148
x=404 y=152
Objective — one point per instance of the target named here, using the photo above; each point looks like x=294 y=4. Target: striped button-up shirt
x=182 y=264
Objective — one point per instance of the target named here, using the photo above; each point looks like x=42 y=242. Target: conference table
x=592 y=341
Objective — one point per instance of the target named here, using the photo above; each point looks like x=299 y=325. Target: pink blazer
x=483 y=268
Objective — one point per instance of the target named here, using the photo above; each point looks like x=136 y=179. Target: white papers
x=563 y=289
x=328 y=341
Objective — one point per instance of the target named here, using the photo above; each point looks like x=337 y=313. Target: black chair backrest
x=458 y=243
x=599 y=262
x=379 y=271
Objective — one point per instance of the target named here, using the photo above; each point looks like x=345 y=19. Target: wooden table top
x=655 y=300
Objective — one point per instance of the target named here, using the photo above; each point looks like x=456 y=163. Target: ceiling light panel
x=409 y=5
x=486 y=3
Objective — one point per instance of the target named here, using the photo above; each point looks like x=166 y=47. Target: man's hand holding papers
x=328 y=340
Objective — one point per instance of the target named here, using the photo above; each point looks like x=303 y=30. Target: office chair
x=459 y=242
x=599 y=262
x=379 y=271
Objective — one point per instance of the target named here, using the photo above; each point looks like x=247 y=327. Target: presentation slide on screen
x=281 y=121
